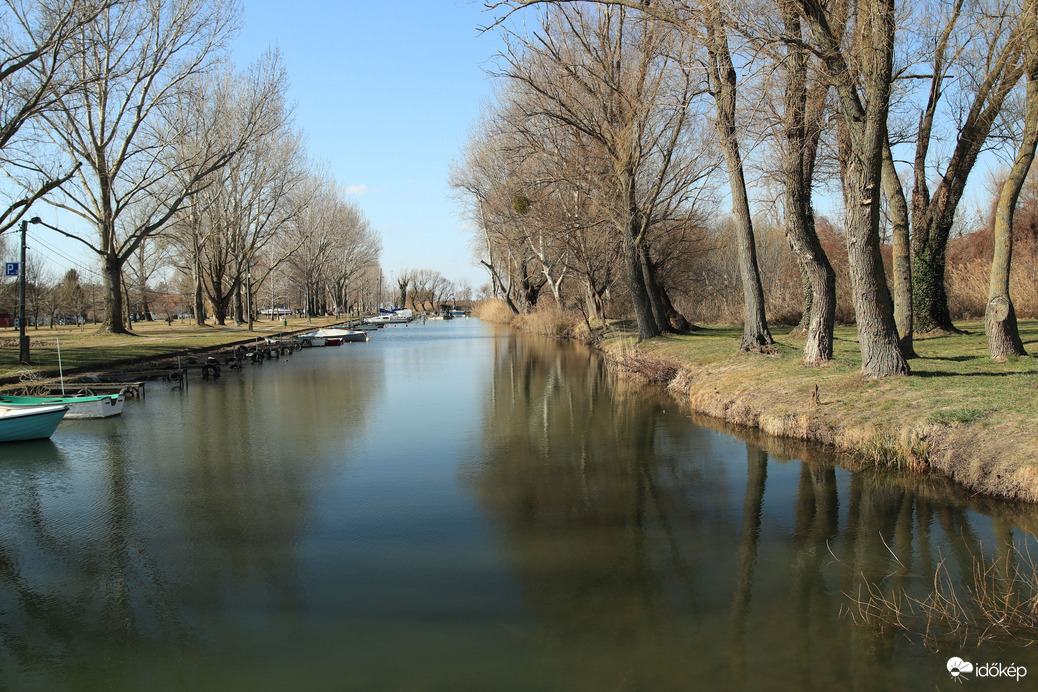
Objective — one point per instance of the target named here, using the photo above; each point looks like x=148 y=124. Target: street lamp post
x=23 y=340
x=248 y=296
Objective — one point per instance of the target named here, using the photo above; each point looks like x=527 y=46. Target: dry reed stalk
x=493 y=310
x=649 y=366
x=31 y=384
x=550 y=321
x=1001 y=605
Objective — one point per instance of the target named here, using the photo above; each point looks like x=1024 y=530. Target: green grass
x=83 y=348
x=953 y=379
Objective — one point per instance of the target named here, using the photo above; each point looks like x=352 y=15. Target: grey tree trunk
x=897 y=207
x=643 y=312
x=820 y=279
x=111 y=290
x=723 y=78
x=1000 y=316
x=655 y=291
x=865 y=117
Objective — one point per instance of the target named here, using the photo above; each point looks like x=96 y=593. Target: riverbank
x=83 y=350
x=959 y=415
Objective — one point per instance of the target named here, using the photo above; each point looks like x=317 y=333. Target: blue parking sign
x=10 y=269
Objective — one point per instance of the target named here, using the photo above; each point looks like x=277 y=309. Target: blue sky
x=386 y=93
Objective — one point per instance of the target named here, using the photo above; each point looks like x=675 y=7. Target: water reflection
x=527 y=523
x=128 y=547
x=650 y=557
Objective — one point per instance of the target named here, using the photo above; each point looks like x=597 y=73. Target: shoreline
x=232 y=337
x=961 y=416
x=964 y=454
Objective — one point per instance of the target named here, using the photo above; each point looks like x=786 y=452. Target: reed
x=999 y=603
x=553 y=322
x=493 y=310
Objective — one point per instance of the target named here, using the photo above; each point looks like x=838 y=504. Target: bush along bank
x=959 y=414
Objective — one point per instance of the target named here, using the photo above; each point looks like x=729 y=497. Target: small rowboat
x=333 y=337
x=96 y=406
x=19 y=423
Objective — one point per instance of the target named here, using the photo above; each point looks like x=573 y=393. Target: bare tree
x=136 y=62
x=975 y=63
x=864 y=114
x=36 y=41
x=252 y=199
x=1000 y=316
x=358 y=248
x=624 y=83
x=336 y=244
x=70 y=296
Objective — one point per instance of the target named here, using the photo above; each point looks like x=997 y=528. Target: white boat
x=19 y=423
x=333 y=337
x=92 y=406
x=401 y=316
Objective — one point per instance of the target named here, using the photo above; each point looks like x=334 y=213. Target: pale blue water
x=454 y=507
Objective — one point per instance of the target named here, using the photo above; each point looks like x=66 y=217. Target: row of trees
x=128 y=116
x=620 y=125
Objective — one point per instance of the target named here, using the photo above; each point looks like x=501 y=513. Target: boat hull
x=334 y=337
x=18 y=424
x=97 y=406
x=401 y=316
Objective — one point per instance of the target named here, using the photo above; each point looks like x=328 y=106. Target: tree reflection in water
x=567 y=531
x=623 y=525
x=144 y=555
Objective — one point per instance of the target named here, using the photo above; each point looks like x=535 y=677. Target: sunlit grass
x=952 y=377
x=85 y=348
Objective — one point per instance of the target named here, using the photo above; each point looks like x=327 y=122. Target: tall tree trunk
x=723 y=77
x=198 y=302
x=820 y=310
x=238 y=307
x=1000 y=316
x=929 y=297
x=897 y=207
x=865 y=120
x=933 y=216
x=807 y=297
x=632 y=238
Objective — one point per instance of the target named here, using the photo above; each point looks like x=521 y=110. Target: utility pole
x=23 y=340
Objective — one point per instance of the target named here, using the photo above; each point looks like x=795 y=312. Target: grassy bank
x=960 y=414
x=83 y=349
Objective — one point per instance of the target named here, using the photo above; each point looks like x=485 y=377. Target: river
x=453 y=506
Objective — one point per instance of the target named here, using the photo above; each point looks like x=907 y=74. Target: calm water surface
x=454 y=507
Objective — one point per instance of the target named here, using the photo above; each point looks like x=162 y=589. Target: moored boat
x=94 y=406
x=398 y=316
x=333 y=337
x=18 y=423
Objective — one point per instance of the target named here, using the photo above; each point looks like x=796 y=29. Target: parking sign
x=10 y=269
